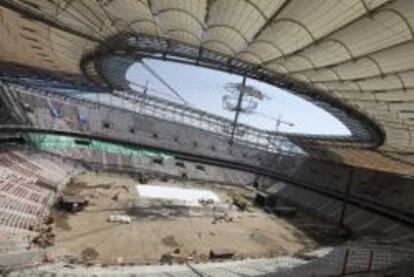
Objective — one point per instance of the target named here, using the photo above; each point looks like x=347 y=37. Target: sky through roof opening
x=204 y=88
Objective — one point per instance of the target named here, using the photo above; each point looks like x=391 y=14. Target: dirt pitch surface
x=161 y=226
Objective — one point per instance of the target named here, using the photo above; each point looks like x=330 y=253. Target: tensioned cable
x=150 y=90
x=90 y=26
x=159 y=78
x=88 y=18
x=107 y=16
x=93 y=11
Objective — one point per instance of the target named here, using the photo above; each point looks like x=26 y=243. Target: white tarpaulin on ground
x=190 y=197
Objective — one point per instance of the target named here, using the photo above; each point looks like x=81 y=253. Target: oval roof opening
x=204 y=88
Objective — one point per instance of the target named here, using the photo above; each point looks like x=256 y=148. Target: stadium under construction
x=101 y=176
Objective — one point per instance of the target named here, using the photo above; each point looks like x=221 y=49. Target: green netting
x=56 y=142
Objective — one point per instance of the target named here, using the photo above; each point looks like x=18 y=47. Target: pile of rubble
x=89 y=254
x=143 y=178
x=205 y=202
x=239 y=201
x=177 y=256
x=223 y=218
x=46 y=237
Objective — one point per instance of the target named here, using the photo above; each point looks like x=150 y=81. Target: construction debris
x=223 y=218
x=104 y=186
x=143 y=179
x=72 y=259
x=239 y=201
x=120 y=261
x=47 y=258
x=49 y=220
x=116 y=196
x=177 y=256
x=221 y=253
x=72 y=203
x=89 y=254
x=125 y=188
x=120 y=219
x=205 y=202
x=45 y=238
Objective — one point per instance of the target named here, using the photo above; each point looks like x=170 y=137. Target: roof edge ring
x=127 y=48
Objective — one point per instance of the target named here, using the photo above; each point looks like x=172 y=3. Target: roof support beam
x=271 y=19
x=336 y=30
x=226 y=45
x=296 y=22
x=12 y=5
x=266 y=25
x=181 y=30
x=380 y=75
x=272 y=44
x=187 y=13
x=356 y=58
x=209 y=4
x=251 y=3
x=375 y=90
x=403 y=18
x=229 y=27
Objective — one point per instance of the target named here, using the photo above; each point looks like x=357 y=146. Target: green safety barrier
x=57 y=142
